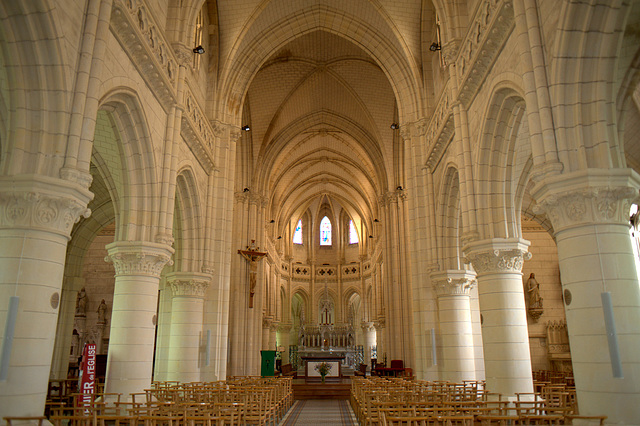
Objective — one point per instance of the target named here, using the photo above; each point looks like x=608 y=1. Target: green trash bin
x=268 y=366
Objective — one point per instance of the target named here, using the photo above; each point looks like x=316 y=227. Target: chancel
x=441 y=192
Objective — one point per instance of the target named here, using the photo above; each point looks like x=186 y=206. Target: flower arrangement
x=323 y=368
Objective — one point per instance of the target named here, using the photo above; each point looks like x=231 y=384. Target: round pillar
x=458 y=356
x=589 y=211
x=36 y=217
x=185 y=335
x=134 y=315
x=498 y=264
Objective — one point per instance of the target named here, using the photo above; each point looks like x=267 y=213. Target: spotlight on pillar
x=370 y=236
x=246 y=128
x=435 y=46
x=279 y=237
x=376 y=220
x=399 y=188
x=272 y=221
x=395 y=126
x=245 y=190
x=199 y=50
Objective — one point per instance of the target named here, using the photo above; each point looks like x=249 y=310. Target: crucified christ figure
x=253 y=256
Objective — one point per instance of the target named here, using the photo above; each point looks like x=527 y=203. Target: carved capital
x=453 y=282
x=367 y=326
x=138 y=257
x=587 y=197
x=284 y=327
x=267 y=322
x=188 y=284
x=40 y=202
x=497 y=255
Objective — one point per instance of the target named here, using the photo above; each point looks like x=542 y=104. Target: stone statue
x=102 y=310
x=81 y=303
x=533 y=288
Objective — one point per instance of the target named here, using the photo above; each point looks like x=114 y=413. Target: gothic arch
x=448 y=220
x=257 y=41
x=189 y=221
x=497 y=212
x=586 y=84
x=38 y=115
x=135 y=164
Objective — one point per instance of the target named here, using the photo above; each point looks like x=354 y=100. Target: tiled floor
x=320 y=412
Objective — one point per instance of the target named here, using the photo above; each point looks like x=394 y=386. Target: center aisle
x=320 y=412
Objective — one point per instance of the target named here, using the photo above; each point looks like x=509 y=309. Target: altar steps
x=321 y=390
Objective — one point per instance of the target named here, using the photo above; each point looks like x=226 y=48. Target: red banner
x=87 y=376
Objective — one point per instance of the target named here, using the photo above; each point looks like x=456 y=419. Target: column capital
x=497 y=255
x=42 y=202
x=587 y=197
x=367 y=326
x=453 y=282
x=284 y=327
x=138 y=257
x=188 y=284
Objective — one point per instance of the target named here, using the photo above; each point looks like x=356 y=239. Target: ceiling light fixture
x=245 y=128
x=199 y=50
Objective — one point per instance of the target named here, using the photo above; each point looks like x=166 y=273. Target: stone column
x=188 y=290
x=452 y=288
x=589 y=211
x=138 y=265
x=498 y=263
x=36 y=217
x=266 y=333
x=284 y=340
x=64 y=330
x=369 y=334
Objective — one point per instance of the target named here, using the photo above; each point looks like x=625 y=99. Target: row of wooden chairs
x=241 y=401
x=377 y=401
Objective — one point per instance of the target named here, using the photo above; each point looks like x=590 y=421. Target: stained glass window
x=325 y=231
x=353 y=234
x=297 y=234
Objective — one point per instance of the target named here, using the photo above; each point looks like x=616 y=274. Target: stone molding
x=44 y=203
x=588 y=197
x=497 y=255
x=188 y=284
x=453 y=282
x=138 y=257
x=284 y=327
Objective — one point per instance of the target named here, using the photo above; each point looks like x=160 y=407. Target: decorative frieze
x=138 y=258
x=489 y=29
x=497 y=255
x=439 y=131
x=39 y=202
x=197 y=131
x=139 y=35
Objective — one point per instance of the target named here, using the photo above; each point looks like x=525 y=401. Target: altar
x=312 y=361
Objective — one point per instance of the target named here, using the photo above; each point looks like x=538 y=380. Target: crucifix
x=253 y=256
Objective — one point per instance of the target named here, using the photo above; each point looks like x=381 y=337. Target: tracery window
x=197 y=36
x=297 y=234
x=325 y=231
x=353 y=234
